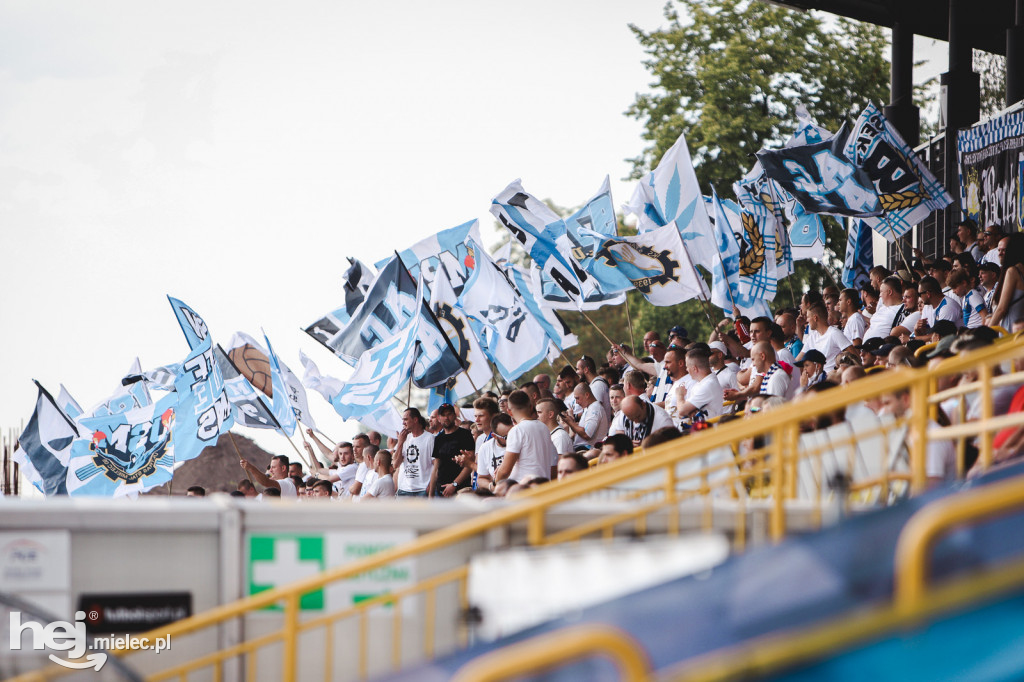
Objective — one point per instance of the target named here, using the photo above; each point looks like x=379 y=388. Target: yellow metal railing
x=914 y=600
x=772 y=465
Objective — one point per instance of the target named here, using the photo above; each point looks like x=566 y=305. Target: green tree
x=729 y=74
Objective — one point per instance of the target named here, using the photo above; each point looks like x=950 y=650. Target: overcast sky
x=233 y=153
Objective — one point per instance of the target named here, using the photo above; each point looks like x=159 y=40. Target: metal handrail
x=556 y=649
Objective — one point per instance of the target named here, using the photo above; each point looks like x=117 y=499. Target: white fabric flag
x=455 y=324
x=514 y=339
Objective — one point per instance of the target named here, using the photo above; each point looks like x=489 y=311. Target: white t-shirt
x=828 y=344
x=881 y=321
x=992 y=256
x=368 y=481
x=777 y=383
x=910 y=321
x=855 y=327
x=948 y=309
x=532 y=441
x=784 y=355
x=489 y=457
x=346 y=474
x=727 y=376
x=595 y=422
x=562 y=441
x=638 y=431
x=706 y=395
x=417 y=462
x=384 y=486
x=599 y=387
x=287 y=488
x=940 y=456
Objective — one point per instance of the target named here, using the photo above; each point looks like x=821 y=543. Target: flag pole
x=601 y=332
x=237 y=452
x=629 y=321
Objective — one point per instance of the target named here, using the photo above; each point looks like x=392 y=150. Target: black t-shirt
x=446 y=447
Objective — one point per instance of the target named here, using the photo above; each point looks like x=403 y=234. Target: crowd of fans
x=550 y=428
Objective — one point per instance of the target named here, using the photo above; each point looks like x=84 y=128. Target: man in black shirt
x=447 y=476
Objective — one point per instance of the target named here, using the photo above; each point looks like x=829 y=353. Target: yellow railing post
x=778 y=468
x=535 y=527
x=290 y=660
x=985 y=451
x=919 y=434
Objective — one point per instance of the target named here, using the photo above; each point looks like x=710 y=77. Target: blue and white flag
x=475 y=371
x=529 y=285
x=754 y=233
x=653 y=262
x=385 y=420
x=860 y=257
x=128 y=453
x=129 y=395
x=203 y=410
x=756 y=192
x=513 y=338
x=44 y=447
x=248 y=408
x=725 y=273
x=807 y=130
x=282 y=405
x=822 y=178
x=389 y=303
x=69 y=405
x=596 y=215
x=445 y=249
x=670 y=194
x=542 y=234
x=380 y=373
x=907 y=191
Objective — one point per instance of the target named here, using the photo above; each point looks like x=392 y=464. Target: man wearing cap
x=725 y=371
x=812 y=371
x=988 y=277
x=937 y=306
x=677 y=335
x=827 y=340
x=639 y=419
x=890 y=298
x=938 y=331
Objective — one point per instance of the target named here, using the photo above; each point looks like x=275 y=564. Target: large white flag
x=654 y=262
x=670 y=194
x=513 y=337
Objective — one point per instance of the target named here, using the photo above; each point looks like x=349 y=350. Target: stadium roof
x=984 y=30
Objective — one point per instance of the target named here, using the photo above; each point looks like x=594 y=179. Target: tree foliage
x=729 y=74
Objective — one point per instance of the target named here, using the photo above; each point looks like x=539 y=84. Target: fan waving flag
x=907 y=190
x=44 y=447
x=514 y=339
x=821 y=178
x=653 y=262
x=670 y=194
x=543 y=235
x=445 y=249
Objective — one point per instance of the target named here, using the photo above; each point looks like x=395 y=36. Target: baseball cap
x=812 y=356
x=719 y=346
x=884 y=349
x=990 y=266
x=941 y=264
x=944 y=348
x=679 y=331
x=942 y=328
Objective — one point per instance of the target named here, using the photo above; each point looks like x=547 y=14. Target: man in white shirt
x=491 y=453
x=547 y=412
x=416 y=451
x=278 y=475
x=890 y=298
x=855 y=324
x=673 y=371
x=937 y=306
x=639 y=419
x=705 y=395
x=992 y=235
x=587 y=370
x=593 y=423
x=528 y=448
x=827 y=340
x=768 y=377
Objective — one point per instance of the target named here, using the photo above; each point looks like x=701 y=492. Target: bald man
x=639 y=419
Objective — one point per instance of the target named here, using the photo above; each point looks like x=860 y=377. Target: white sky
x=233 y=153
